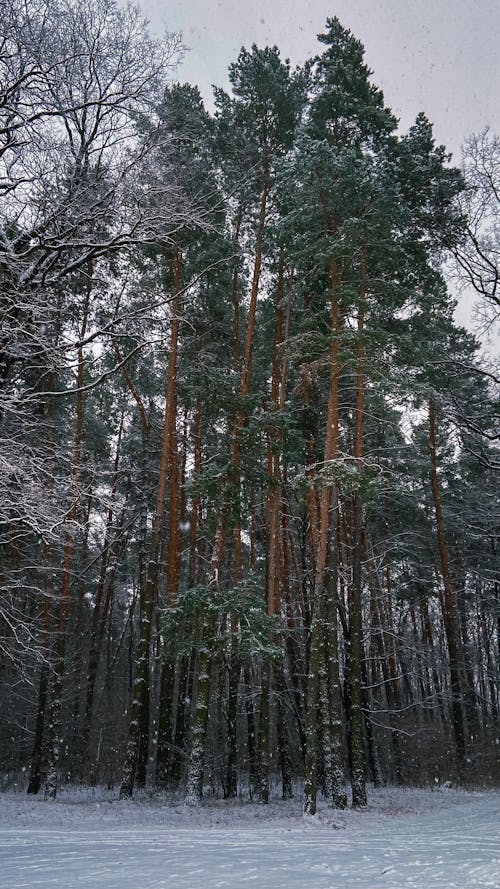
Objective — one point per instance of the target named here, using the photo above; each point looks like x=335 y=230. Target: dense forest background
x=249 y=502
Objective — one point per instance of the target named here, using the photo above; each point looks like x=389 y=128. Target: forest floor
x=426 y=839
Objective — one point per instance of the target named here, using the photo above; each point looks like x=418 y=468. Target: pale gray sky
x=437 y=56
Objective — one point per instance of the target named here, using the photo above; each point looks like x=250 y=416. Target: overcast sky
x=437 y=56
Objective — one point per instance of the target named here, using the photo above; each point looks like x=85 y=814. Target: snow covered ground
x=434 y=839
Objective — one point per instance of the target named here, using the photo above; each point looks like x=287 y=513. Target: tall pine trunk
x=356 y=735
x=450 y=620
x=195 y=769
x=317 y=626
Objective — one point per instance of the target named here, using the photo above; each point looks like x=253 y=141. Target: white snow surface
x=425 y=839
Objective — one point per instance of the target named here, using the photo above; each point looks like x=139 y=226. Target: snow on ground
x=424 y=839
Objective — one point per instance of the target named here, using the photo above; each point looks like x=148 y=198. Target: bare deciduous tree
x=478 y=257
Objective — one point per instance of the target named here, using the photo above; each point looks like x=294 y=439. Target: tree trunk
x=317 y=626
x=194 y=782
x=231 y=780
x=100 y=611
x=164 y=753
x=193 y=570
x=264 y=730
x=285 y=760
x=356 y=739
x=35 y=778
x=138 y=738
x=331 y=648
x=251 y=733
x=448 y=605
x=36 y=757
x=55 y=727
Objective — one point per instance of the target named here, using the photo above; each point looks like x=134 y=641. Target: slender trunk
x=436 y=679
x=284 y=755
x=312 y=700
x=264 y=728
x=234 y=294
x=35 y=778
x=331 y=647
x=36 y=758
x=251 y=733
x=173 y=575
x=138 y=738
x=231 y=780
x=278 y=382
x=292 y=641
x=448 y=604
x=465 y=644
x=309 y=432
x=77 y=633
x=356 y=739
x=182 y=719
x=140 y=688
x=193 y=569
x=174 y=516
x=100 y=612
x=194 y=782
x=165 y=725
x=317 y=628
x=393 y=675
x=55 y=727
x=487 y=638
x=273 y=458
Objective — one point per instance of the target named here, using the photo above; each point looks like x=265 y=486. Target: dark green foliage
x=256 y=634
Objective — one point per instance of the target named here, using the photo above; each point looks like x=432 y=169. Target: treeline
x=249 y=504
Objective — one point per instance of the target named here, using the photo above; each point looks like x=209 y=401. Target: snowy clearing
x=440 y=839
